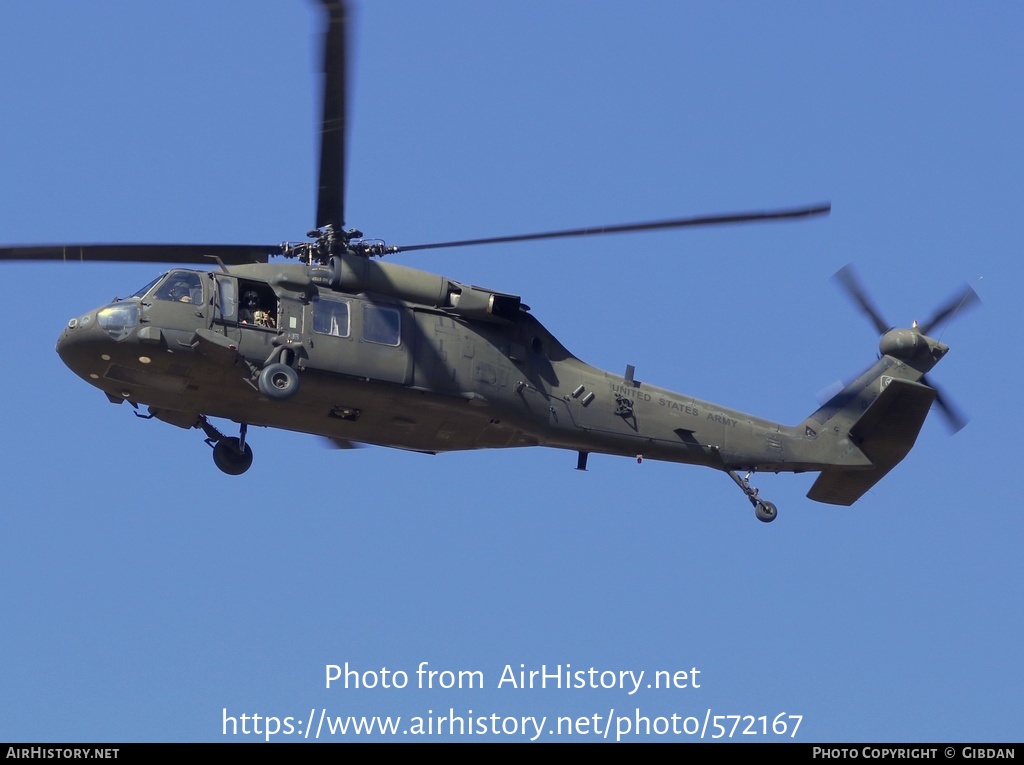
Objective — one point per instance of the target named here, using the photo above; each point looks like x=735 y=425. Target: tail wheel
x=278 y=381
x=766 y=512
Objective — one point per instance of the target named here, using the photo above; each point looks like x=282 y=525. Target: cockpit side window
x=147 y=288
x=181 y=287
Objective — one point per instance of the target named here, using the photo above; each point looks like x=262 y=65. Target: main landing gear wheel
x=232 y=456
x=766 y=512
x=278 y=381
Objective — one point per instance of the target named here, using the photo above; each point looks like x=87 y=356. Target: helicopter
x=325 y=337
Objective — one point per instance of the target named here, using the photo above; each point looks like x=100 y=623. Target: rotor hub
x=910 y=345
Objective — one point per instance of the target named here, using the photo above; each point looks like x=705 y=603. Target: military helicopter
x=322 y=337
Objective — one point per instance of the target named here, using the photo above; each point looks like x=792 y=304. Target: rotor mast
x=330 y=238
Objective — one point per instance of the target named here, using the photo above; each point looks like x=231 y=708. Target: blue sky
x=145 y=592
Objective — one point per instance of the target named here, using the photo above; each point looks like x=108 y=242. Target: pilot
x=180 y=292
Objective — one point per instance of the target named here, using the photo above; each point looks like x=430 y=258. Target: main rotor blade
x=341 y=443
x=331 y=200
x=848 y=279
x=203 y=254
x=965 y=298
x=702 y=220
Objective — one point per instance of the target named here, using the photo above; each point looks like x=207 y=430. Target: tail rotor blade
x=952 y=414
x=849 y=281
x=965 y=298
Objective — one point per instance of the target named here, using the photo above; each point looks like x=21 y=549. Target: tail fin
x=877 y=417
x=885 y=432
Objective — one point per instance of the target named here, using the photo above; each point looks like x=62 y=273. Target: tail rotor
x=963 y=299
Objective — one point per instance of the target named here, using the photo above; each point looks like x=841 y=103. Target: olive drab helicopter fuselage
x=322 y=337
x=431 y=365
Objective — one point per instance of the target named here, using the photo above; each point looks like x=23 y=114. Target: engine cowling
x=356 y=273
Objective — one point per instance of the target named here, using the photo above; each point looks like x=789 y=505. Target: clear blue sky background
x=144 y=592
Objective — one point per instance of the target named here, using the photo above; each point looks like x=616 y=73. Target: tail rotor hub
x=910 y=345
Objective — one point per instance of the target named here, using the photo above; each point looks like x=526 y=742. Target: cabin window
x=330 y=317
x=257 y=304
x=181 y=287
x=381 y=325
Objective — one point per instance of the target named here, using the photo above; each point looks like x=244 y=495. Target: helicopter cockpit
x=176 y=287
x=142 y=293
x=121 y=317
x=181 y=287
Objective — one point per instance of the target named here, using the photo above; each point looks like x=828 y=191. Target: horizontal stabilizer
x=886 y=432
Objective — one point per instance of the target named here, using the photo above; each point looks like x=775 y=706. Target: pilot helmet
x=180 y=290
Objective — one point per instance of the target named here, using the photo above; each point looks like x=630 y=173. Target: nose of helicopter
x=88 y=342
x=78 y=344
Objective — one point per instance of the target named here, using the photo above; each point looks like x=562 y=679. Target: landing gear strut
x=232 y=455
x=765 y=511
